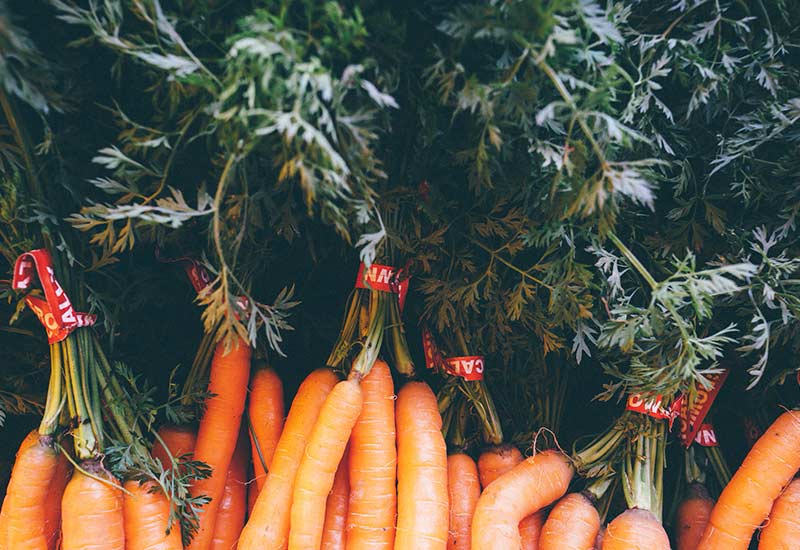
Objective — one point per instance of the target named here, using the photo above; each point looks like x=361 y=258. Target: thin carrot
x=495 y=461
x=268 y=526
x=373 y=465
x=179 y=441
x=324 y=451
x=333 y=532
x=146 y=513
x=635 y=529
x=52 y=503
x=464 y=490
x=527 y=488
x=782 y=531
x=91 y=511
x=422 y=499
x=530 y=530
x=233 y=507
x=25 y=507
x=573 y=524
x=691 y=517
x=746 y=501
x=219 y=429
x=266 y=413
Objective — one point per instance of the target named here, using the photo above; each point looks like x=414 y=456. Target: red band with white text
x=55 y=312
x=706 y=436
x=384 y=278
x=653 y=406
x=693 y=414
x=468 y=367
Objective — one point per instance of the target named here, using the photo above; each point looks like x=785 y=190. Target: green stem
x=55 y=395
x=634 y=261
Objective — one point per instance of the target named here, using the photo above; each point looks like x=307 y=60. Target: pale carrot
x=464 y=490
x=572 y=524
x=782 y=531
x=635 y=529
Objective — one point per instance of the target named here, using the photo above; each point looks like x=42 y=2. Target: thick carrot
x=422 y=500
x=180 y=440
x=146 y=513
x=464 y=490
x=25 y=506
x=266 y=413
x=782 y=531
x=91 y=511
x=233 y=507
x=30 y=439
x=530 y=530
x=334 y=534
x=635 y=529
x=219 y=430
x=55 y=493
x=691 y=517
x=747 y=499
x=527 y=488
x=373 y=465
x=573 y=524
x=324 y=451
x=268 y=526
x=252 y=492
x=495 y=461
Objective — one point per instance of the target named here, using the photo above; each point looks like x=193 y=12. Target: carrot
x=266 y=412
x=233 y=506
x=496 y=461
x=268 y=526
x=91 y=511
x=30 y=439
x=146 y=513
x=635 y=529
x=179 y=441
x=422 y=499
x=528 y=487
x=782 y=531
x=530 y=530
x=324 y=451
x=691 y=517
x=252 y=492
x=493 y=463
x=464 y=490
x=52 y=504
x=373 y=465
x=25 y=508
x=333 y=532
x=219 y=429
x=746 y=501
x=573 y=524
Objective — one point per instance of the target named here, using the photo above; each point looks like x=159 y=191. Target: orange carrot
x=782 y=531
x=691 y=517
x=25 y=507
x=464 y=490
x=422 y=499
x=527 y=488
x=493 y=463
x=635 y=529
x=496 y=461
x=146 y=513
x=373 y=465
x=91 y=511
x=30 y=439
x=530 y=530
x=180 y=440
x=333 y=532
x=252 y=492
x=233 y=507
x=324 y=451
x=265 y=410
x=219 y=429
x=55 y=493
x=573 y=524
x=747 y=499
x=268 y=526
